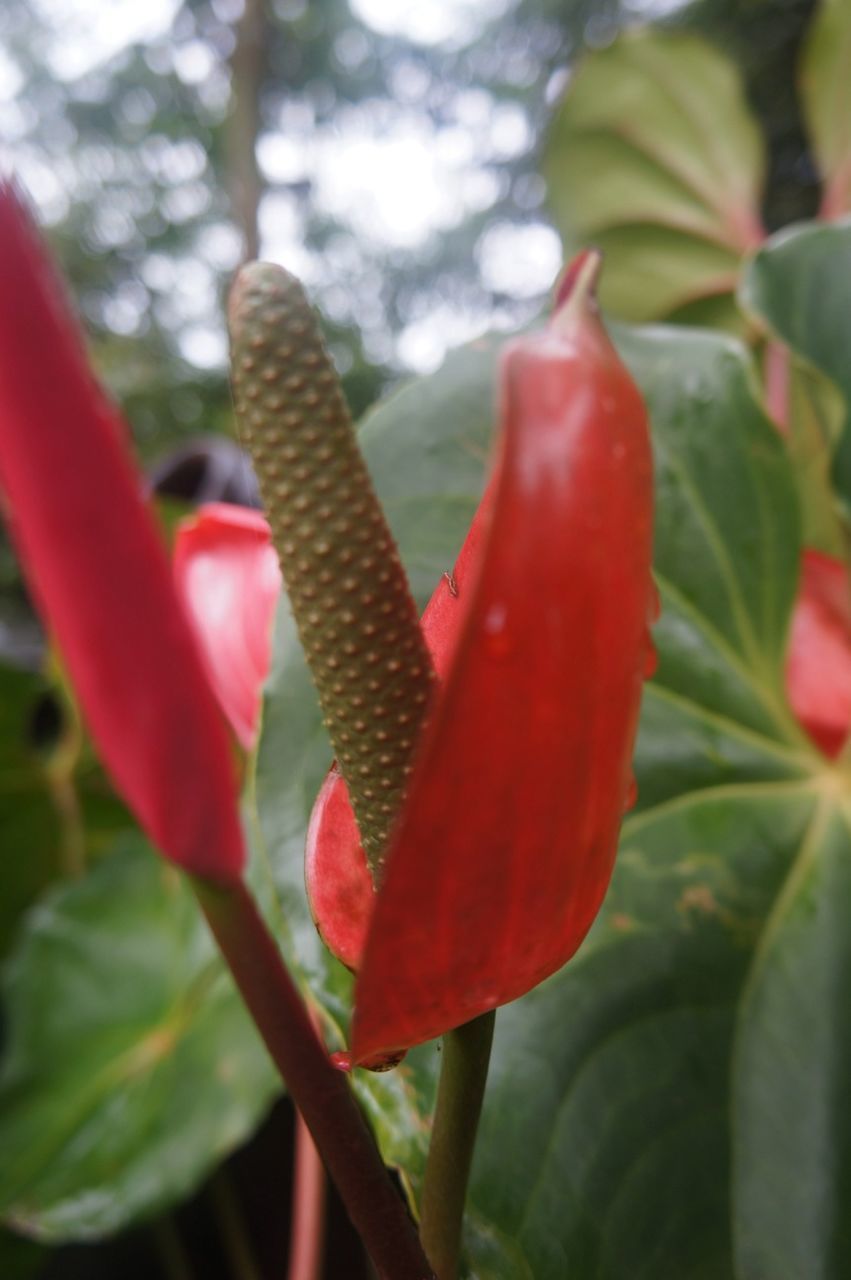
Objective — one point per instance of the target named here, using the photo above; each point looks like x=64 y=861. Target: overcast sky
x=394 y=184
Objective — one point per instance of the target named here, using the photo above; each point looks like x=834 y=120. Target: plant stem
x=232 y=1228
x=174 y=1257
x=308 y=1207
x=318 y=1090
x=463 y=1073
x=776 y=374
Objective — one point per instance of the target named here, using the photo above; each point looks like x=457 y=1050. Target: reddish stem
x=318 y=1090
x=836 y=199
x=776 y=372
x=308 y=1207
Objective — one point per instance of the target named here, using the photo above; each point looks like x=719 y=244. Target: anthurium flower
x=505 y=843
x=818 y=666
x=100 y=573
x=228 y=576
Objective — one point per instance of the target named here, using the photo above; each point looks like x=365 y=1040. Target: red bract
x=100 y=573
x=228 y=576
x=818 y=666
x=506 y=841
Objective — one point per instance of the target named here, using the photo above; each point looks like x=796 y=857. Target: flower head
x=505 y=843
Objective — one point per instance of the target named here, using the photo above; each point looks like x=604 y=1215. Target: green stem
x=320 y=1092
x=232 y=1228
x=463 y=1073
x=170 y=1246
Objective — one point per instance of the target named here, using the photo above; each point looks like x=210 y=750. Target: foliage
x=703 y=1025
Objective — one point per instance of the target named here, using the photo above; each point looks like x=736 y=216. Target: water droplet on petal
x=384 y=1061
x=495 y=619
x=497 y=636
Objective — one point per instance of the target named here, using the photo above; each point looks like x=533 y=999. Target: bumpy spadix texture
x=349 y=594
x=100 y=572
x=506 y=841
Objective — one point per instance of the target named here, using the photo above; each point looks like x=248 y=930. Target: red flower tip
x=100 y=573
x=818 y=664
x=228 y=576
x=578 y=286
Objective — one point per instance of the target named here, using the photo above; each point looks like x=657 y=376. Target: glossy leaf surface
x=636 y=165
x=100 y=573
x=131 y=1066
x=826 y=99
x=792 y=1115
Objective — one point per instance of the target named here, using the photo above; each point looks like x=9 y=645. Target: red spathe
x=228 y=576
x=100 y=574
x=818 y=664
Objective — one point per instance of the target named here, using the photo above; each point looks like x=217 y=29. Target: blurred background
x=388 y=154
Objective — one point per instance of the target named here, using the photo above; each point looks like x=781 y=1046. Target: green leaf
x=131 y=1067
x=799 y=284
x=792 y=1117
x=826 y=100
x=670 y=191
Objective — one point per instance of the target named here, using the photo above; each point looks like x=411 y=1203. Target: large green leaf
x=799 y=284
x=606 y=1139
x=669 y=189
x=826 y=99
x=793 y=1058
x=131 y=1065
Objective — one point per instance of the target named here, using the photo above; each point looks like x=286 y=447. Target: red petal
x=228 y=576
x=337 y=878
x=506 y=841
x=818 y=665
x=101 y=574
